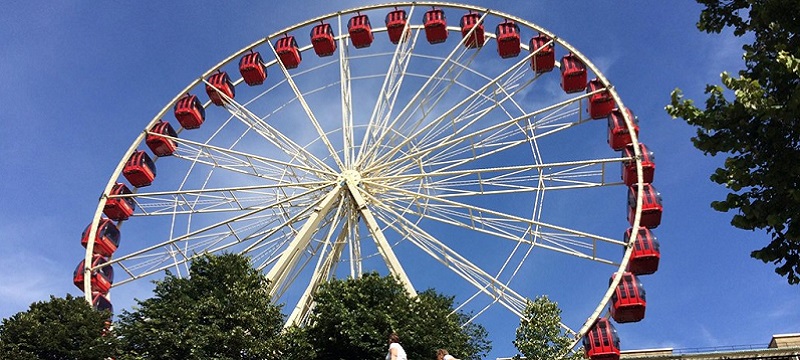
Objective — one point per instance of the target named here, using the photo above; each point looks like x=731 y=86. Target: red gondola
x=288 y=51
x=360 y=31
x=508 y=43
x=545 y=58
x=140 y=170
x=602 y=341
x=101 y=279
x=100 y=302
x=118 y=208
x=322 y=40
x=220 y=83
x=600 y=104
x=646 y=252
x=651 y=206
x=468 y=22
x=395 y=23
x=252 y=68
x=628 y=302
x=618 y=134
x=190 y=112
x=573 y=74
x=160 y=145
x=106 y=240
x=629 y=166
x=435 y=26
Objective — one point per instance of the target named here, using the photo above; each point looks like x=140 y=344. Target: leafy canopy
x=57 y=329
x=223 y=311
x=540 y=336
x=353 y=318
x=758 y=129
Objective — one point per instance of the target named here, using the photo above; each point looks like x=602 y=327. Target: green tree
x=65 y=328
x=223 y=311
x=759 y=128
x=540 y=336
x=293 y=344
x=353 y=318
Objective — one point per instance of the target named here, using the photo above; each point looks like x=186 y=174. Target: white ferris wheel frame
x=351 y=181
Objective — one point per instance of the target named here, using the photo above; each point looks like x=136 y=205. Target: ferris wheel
x=405 y=138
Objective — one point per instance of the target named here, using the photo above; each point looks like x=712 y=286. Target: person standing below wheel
x=442 y=354
x=396 y=351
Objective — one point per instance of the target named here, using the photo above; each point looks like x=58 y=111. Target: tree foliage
x=759 y=128
x=352 y=319
x=223 y=311
x=540 y=336
x=61 y=328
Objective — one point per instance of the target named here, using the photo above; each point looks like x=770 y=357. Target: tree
x=353 y=318
x=65 y=328
x=540 y=336
x=759 y=129
x=223 y=311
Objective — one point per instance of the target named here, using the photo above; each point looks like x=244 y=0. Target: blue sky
x=82 y=80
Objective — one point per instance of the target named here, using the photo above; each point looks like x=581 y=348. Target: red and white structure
x=441 y=152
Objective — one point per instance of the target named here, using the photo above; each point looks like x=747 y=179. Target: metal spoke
x=418 y=100
x=216 y=230
x=348 y=136
x=299 y=95
x=271 y=134
x=509 y=179
x=471 y=273
x=479 y=214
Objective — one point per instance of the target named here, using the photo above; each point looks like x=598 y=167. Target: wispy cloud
x=709 y=338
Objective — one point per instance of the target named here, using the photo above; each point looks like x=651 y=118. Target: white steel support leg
x=383 y=245
x=322 y=273
x=278 y=274
x=354 y=241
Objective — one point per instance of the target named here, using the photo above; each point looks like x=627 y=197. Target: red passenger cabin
x=468 y=23
x=629 y=166
x=646 y=252
x=140 y=170
x=101 y=279
x=100 y=302
x=160 y=145
x=628 y=300
x=573 y=74
x=618 y=134
x=544 y=59
x=190 y=112
x=602 y=341
x=322 y=40
x=651 y=206
x=395 y=23
x=508 y=43
x=119 y=208
x=218 y=84
x=106 y=240
x=601 y=103
x=288 y=52
x=360 y=31
x=252 y=68
x=435 y=26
